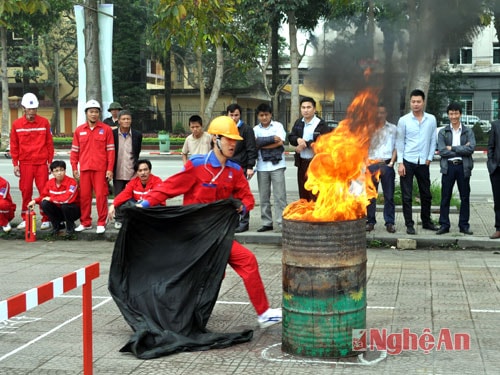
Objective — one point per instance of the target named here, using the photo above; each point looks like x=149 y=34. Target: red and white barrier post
x=83 y=277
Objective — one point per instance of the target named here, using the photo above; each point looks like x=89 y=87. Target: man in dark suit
x=493 y=165
x=304 y=132
x=128 y=143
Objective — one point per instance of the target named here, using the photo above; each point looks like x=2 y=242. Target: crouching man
x=60 y=200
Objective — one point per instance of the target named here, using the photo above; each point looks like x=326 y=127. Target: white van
x=469 y=121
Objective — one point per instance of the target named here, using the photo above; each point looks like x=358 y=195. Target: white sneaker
x=270 y=317
x=21 y=225
x=100 y=229
x=45 y=225
x=118 y=225
x=7 y=228
x=81 y=228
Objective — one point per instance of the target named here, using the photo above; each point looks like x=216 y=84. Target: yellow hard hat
x=224 y=126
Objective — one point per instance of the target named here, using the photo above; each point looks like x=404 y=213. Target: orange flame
x=337 y=174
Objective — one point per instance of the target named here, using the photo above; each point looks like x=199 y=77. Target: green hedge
x=145 y=141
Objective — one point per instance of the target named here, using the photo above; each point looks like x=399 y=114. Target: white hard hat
x=29 y=101
x=92 y=103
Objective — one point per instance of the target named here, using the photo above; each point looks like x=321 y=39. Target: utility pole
x=92 y=64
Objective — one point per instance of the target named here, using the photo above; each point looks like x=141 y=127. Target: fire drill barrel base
x=324 y=287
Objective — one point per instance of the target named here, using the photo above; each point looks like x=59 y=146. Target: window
x=180 y=73
x=466 y=100
x=496 y=53
x=461 y=56
x=495 y=104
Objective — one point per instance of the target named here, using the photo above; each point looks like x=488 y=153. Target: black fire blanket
x=167 y=268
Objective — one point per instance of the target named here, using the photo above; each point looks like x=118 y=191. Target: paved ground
x=416 y=290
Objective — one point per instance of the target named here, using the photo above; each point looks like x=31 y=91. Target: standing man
x=304 y=133
x=493 y=164
x=245 y=154
x=211 y=177
x=415 y=143
x=270 y=137
x=93 y=149
x=112 y=121
x=128 y=144
x=456 y=145
x=382 y=156
x=32 y=150
x=198 y=142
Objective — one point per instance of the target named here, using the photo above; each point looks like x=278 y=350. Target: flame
x=337 y=174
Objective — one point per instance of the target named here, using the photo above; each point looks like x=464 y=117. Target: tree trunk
x=219 y=75
x=294 y=67
x=5 y=90
x=92 y=64
x=55 y=123
x=275 y=66
x=201 y=82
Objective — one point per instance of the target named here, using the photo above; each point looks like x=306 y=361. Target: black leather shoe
x=370 y=227
x=390 y=228
x=442 y=230
x=265 y=228
x=410 y=229
x=467 y=231
x=241 y=229
x=430 y=226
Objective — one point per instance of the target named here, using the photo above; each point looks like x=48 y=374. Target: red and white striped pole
x=23 y=302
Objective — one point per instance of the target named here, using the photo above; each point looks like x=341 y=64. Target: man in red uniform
x=59 y=199
x=137 y=187
x=7 y=207
x=94 y=149
x=32 y=151
x=211 y=177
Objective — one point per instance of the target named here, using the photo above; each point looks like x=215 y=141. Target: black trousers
x=422 y=174
x=495 y=186
x=67 y=213
x=118 y=186
x=302 y=166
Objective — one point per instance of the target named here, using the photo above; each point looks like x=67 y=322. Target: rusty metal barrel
x=324 y=287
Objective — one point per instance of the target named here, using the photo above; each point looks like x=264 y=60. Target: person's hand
x=401 y=169
x=109 y=175
x=31 y=204
x=76 y=174
x=17 y=171
x=111 y=212
x=45 y=199
x=427 y=162
x=250 y=173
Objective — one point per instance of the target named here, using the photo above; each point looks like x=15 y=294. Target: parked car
x=332 y=124
x=469 y=121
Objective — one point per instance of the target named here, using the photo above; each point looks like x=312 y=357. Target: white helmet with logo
x=29 y=101
x=92 y=103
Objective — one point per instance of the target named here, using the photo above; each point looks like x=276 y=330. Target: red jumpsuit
x=32 y=149
x=134 y=190
x=65 y=193
x=7 y=207
x=94 y=150
x=204 y=181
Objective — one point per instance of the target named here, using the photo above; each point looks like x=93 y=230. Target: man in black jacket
x=493 y=165
x=303 y=134
x=128 y=143
x=245 y=154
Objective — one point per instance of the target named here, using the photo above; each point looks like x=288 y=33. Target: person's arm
x=110 y=151
x=468 y=148
x=74 y=155
x=49 y=142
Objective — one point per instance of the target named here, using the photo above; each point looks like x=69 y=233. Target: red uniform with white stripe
x=32 y=149
x=94 y=151
x=136 y=191
x=7 y=207
x=203 y=180
x=65 y=193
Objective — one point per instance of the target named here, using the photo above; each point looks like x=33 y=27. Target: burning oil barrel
x=324 y=286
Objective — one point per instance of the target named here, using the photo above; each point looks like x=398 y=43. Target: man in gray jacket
x=456 y=144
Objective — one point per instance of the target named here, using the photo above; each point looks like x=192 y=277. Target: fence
x=83 y=277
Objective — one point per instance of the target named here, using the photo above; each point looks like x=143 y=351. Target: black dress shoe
x=390 y=228
x=265 y=228
x=442 y=230
x=241 y=229
x=430 y=226
x=410 y=229
x=496 y=235
x=370 y=227
x=467 y=231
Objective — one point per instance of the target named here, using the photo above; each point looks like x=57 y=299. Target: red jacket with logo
x=204 y=181
x=135 y=190
x=66 y=192
x=93 y=149
x=31 y=142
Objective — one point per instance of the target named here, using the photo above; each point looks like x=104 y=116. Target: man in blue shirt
x=415 y=143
